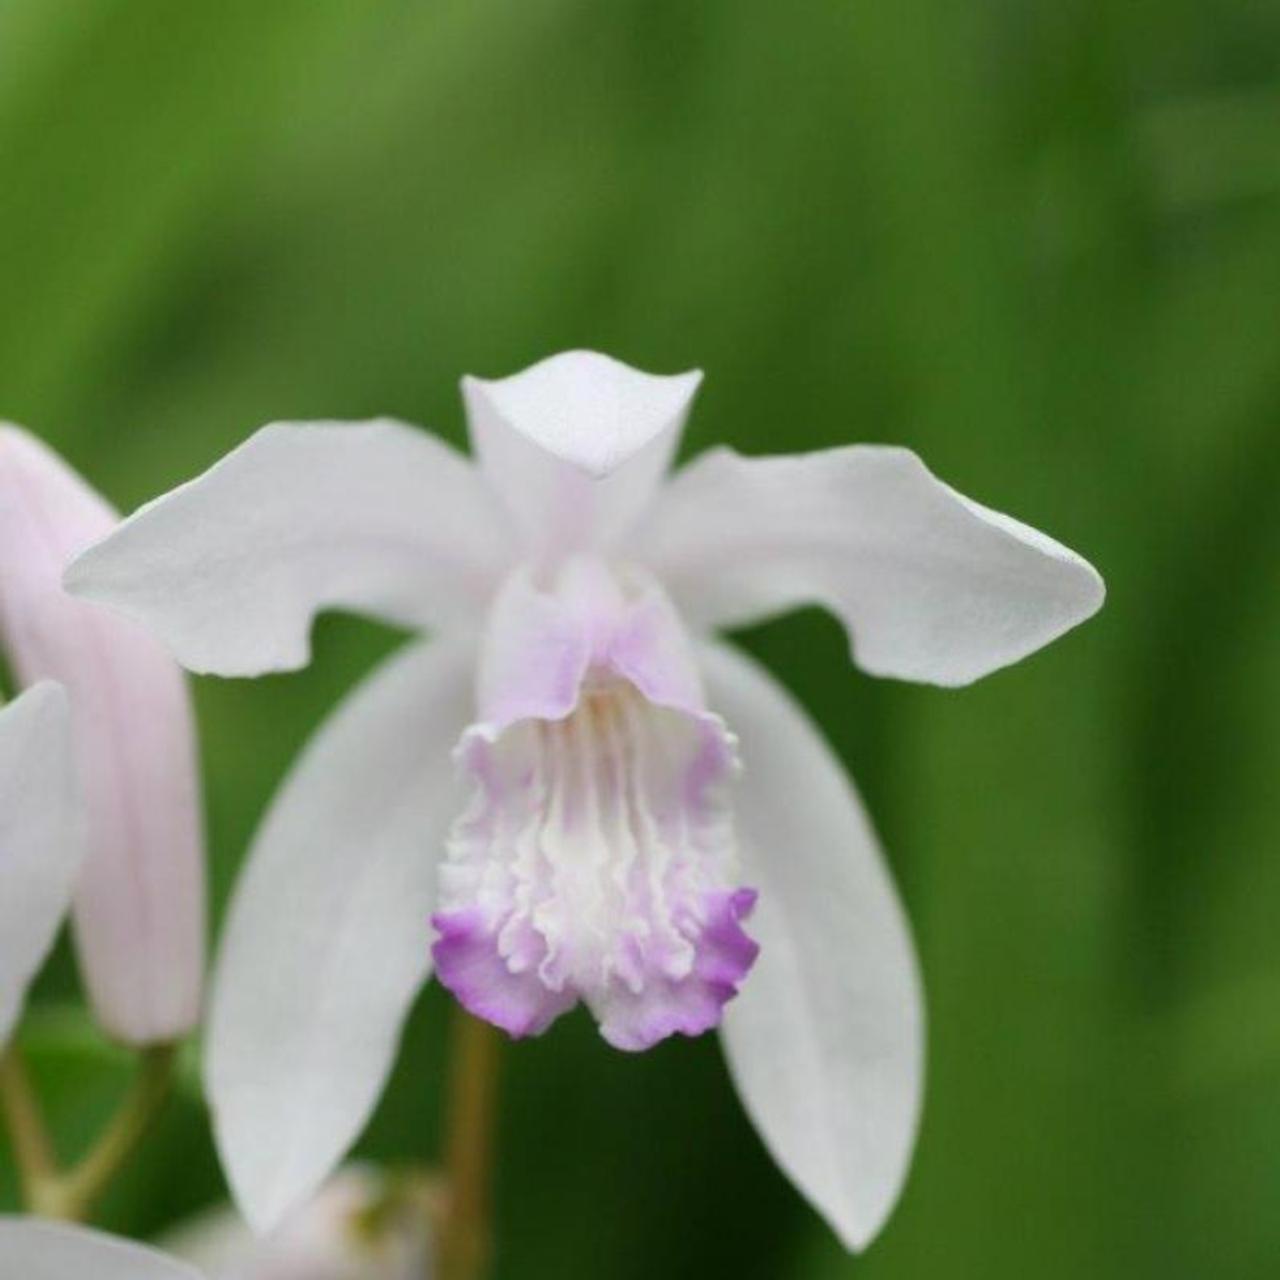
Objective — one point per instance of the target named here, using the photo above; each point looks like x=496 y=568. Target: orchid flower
x=139 y=904
x=553 y=779
x=361 y=1226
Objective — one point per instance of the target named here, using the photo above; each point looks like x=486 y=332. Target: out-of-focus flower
x=41 y=837
x=32 y=1249
x=594 y=848
x=363 y=1225
x=139 y=906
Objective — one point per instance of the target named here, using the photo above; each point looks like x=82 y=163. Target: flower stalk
x=123 y=1134
x=32 y=1148
x=70 y=1196
x=465 y=1235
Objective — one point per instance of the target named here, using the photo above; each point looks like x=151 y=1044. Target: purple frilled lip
x=470 y=964
x=596 y=860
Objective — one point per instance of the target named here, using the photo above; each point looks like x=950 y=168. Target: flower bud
x=363 y=1225
x=139 y=906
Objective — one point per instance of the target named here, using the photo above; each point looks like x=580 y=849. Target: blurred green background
x=1037 y=241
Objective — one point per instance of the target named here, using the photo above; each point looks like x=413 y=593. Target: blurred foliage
x=1037 y=241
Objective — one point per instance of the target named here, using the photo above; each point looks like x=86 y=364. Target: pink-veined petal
x=41 y=837
x=139 y=911
x=825 y=1042
x=32 y=1249
x=328 y=937
x=575 y=445
x=230 y=569
x=930 y=585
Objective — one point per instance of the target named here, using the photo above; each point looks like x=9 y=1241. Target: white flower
x=595 y=846
x=359 y=1227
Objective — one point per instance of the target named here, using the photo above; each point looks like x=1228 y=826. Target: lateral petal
x=930 y=585
x=230 y=569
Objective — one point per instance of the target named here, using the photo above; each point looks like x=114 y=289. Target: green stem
x=85 y=1183
x=32 y=1147
x=72 y=1195
x=465 y=1238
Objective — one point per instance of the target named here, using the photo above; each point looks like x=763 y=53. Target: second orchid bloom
x=573 y=792
x=125 y=832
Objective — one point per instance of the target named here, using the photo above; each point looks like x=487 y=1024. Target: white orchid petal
x=41 y=837
x=31 y=1249
x=930 y=585
x=826 y=1040
x=139 y=912
x=328 y=937
x=231 y=568
x=575 y=446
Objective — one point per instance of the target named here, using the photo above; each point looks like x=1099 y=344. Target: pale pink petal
x=139 y=913
x=826 y=1041
x=930 y=585
x=575 y=445
x=230 y=569
x=41 y=837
